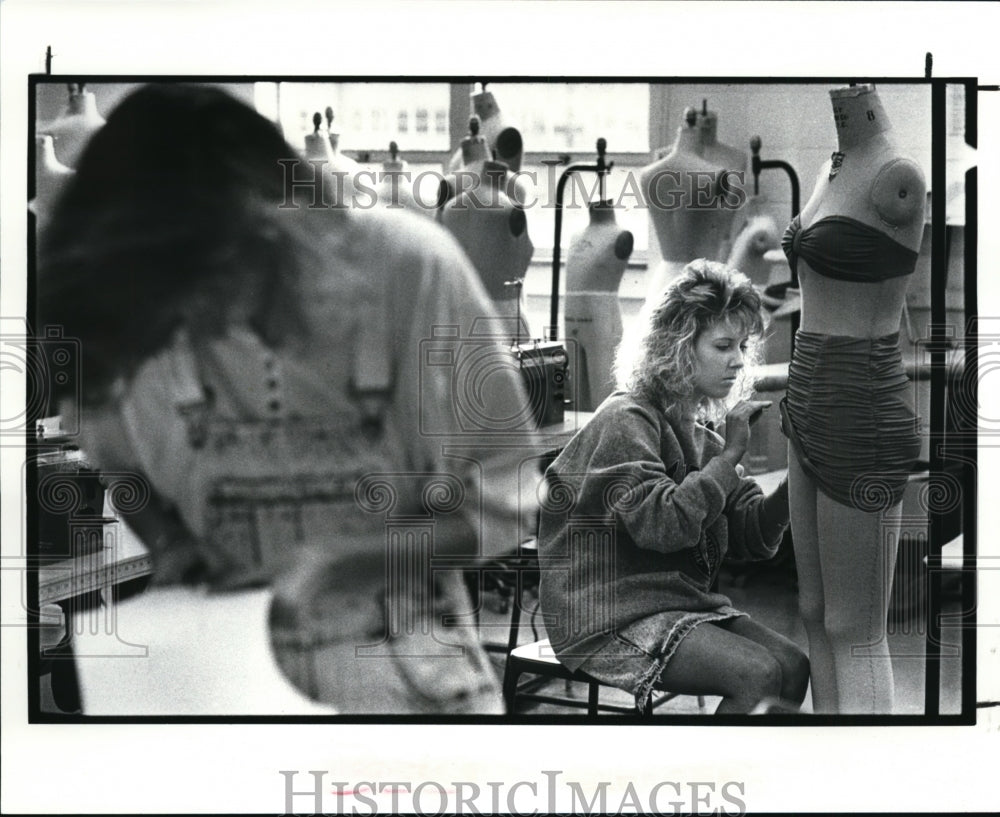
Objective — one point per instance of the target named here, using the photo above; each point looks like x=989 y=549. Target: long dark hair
x=172 y=216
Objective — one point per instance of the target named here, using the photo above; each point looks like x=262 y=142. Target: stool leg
x=510 y=678
x=593 y=693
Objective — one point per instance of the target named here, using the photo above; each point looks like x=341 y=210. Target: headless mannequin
x=472 y=153
x=510 y=148
x=319 y=146
x=74 y=126
x=50 y=175
x=841 y=596
x=758 y=235
x=340 y=162
x=595 y=264
x=493 y=230
x=395 y=189
x=475 y=153
x=725 y=156
x=491 y=124
x=682 y=191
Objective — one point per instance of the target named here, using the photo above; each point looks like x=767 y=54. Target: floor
x=769 y=595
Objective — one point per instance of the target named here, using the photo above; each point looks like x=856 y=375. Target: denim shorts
x=634 y=657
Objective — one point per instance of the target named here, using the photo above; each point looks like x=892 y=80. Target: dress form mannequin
x=867 y=196
x=493 y=230
x=725 y=156
x=491 y=123
x=595 y=264
x=474 y=153
x=469 y=158
x=74 y=126
x=485 y=106
x=50 y=175
x=395 y=189
x=758 y=235
x=340 y=162
x=682 y=191
x=319 y=147
x=510 y=148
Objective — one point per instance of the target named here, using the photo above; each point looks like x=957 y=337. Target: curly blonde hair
x=661 y=366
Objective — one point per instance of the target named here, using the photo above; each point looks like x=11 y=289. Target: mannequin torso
x=595 y=263
x=493 y=230
x=74 y=127
x=319 y=145
x=683 y=193
x=395 y=187
x=725 y=156
x=50 y=175
x=870 y=182
x=758 y=236
x=599 y=254
x=473 y=157
x=489 y=124
x=848 y=411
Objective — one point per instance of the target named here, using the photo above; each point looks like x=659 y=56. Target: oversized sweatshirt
x=639 y=513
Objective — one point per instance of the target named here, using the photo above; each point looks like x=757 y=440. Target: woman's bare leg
x=711 y=660
x=793 y=662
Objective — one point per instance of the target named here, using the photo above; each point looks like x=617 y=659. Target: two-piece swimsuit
x=848 y=411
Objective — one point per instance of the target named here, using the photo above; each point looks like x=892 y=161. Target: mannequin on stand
x=848 y=412
x=491 y=123
x=712 y=150
x=595 y=264
x=72 y=129
x=319 y=145
x=340 y=161
x=50 y=176
x=395 y=188
x=510 y=148
x=493 y=231
x=683 y=191
x=471 y=153
x=475 y=153
x=757 y=236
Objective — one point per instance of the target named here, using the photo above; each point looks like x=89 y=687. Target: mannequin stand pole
x=601 y=168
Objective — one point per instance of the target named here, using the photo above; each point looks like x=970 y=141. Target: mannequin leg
x=858 y=555
x=805 y=539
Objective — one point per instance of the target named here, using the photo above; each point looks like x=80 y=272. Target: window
x=569 y=117
x=369 y=115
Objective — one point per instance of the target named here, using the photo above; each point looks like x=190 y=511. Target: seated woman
x=258 y=365
x=646 y=501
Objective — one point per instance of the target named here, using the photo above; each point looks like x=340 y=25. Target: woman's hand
x=738 y=422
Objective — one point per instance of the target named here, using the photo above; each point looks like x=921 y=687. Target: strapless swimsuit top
x=847 y=250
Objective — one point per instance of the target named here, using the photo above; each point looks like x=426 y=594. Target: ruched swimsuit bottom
x=849 y=415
